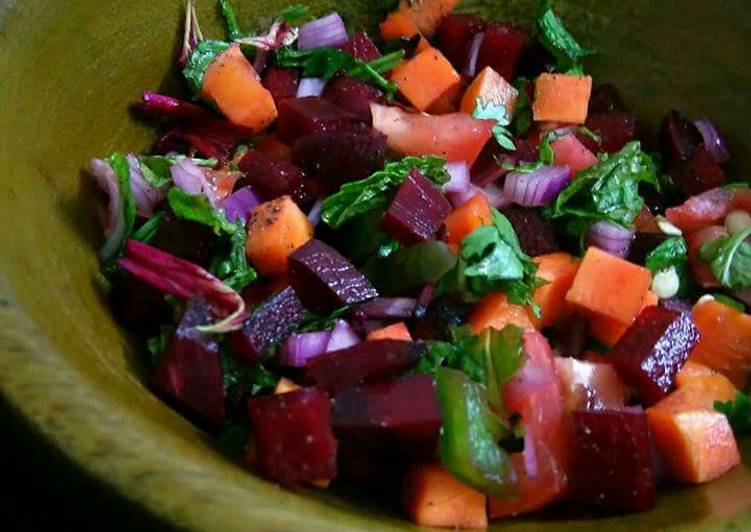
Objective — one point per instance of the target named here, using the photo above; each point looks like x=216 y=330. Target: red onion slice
x=342 y=337
x=496 y=196
x=470 y=65
x=459 y=174
x=190 y=178
x=610 y=237
x=237 y=206
x=310 y=87
x=537 y=188
x=114 y=227
x=388 y=308
x=713 y=140
x=146 y=196
x=299 y=348
x=326 y=31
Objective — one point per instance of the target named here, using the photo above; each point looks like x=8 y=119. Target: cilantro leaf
x=359 y=197
x=200 y=60
x=148 y=230
x=490 y=110
x=671 y=253
x=231 y=266
x=523 y=111
x=230 y=20
x=729 y=302
x=256 y=378
x=196 y=208
x=608 y=191
x=313 y=322
x=730 y=259
x=738 y=413
x=156 y=168
x=558 y=41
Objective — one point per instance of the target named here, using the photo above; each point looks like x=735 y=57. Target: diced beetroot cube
x=699 y=173
x=138 y=306
x=416 y=212
x=535 y=60
x=188 y=240
x=441 y=316
x=366 y=361
x=354 y=96
x=400 y=415
x=612 y=461
x=300 y=116
x=359 y=150
x=360 y=46
x=643 y=244
x=294 y=442
x=325 y=280
x=615 y=128
x=487 y=169
x=269 y=324
x=501 y=49
x=536 y=236
x=274 y=178
x=606 y=98
x=653 y=350
x=282 y=83
x=190 y=372
x=678 y=138
x=454 y=35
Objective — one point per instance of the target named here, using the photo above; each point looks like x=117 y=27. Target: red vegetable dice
x=190 y=372
x=282 y=83
x=300 y=116
x=325 y=280
x=699 y=173
x=536 y=236
x=653 y=350
x=274 y=178
x=294 y=442
x=501 y=49
x=416 y=212
x=678 y=137
x=361 y=47
x=615 y=129
x=612 y=463
x=590 y=385
x=370 y=360
x=454 y=35
x=354 y=96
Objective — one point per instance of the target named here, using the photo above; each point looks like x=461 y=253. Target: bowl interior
x=70 y=69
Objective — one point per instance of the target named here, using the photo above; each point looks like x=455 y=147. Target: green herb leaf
x=492 y=111
x=255 y=379
x=589 y=133
x=231 y=266
x=296 y=13
x=729 y=302
x=523 y=111
x=196 y=208
x=313 y=322
x=200 y=60
x=156 y=168
x=672 y=253
x=730 y=259
x=558 y=41
x=359 y=197
x=148 y=230
x=407 y=270
x=156 y=345
x=230 y=20
x=738 y=413
x=608 y=191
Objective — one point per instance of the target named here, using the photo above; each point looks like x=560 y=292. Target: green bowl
x=69 y=70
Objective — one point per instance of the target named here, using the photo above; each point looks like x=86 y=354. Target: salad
x=435 y=260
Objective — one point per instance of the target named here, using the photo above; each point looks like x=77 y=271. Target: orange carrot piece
x=559 y=270
x=234 y=86
x=495 y=310
x=561 y=98
x=430 y=64
x=397 y=331
x=448 y=102
x=609 y=286
x=608 y=330
x=275 y=230
x=433 y=497
x=690 y=371
x=285 y=386
x=398 y=24
x=489 y=86
x=698 y=393
x=470 y=215
x=427 y=14
x=725 y=340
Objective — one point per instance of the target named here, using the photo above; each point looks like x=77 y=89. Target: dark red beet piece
x=399 y=415
x=325 y=280
x=440 y=317
x=536 y=236
x=501 y=49
x=300 y=116
x=612 y=464
x=606 y=98
x=678 y=138
x=282 y=83
x=293 y=437
x=454 y=35
x=138 y=306
x=416 y=212
x=190 y=372
x=354 y=96
x=360 y=46
x=535 y=60
x=366 y=361
x=188 y=240
x=269 y=324
x=615 y=128
x=643 y=244
x=274 y=178
x=653 y=350
x=359 y=151
x=699 y=173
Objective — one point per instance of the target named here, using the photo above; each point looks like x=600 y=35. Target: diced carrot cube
x=608 y=330
x=425 y=77
x=692 y=370
x=561 y=98
x=489 y=86
x=285 y=385
x=470 y=215
x=495 y=310
x=427 y=14
x=398 y=24
x=559 y=270
x=397 y=331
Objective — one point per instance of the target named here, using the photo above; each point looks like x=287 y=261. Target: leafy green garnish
x=491 y=110
x=148 y=230
x=558 y=41
x=155 y=169
x=296 y=13
x=729 y=257
x=608 y=191
x=589 y=133
x=738 y=413
x=326 y=62
x=256 y=378
x=407 y=270
x=157 y=344
x=671 y=253
x=200 y=60
x=491 y=260
x=359 y=197
x=196 y=208
x=729 y=302
x=232 y=265
x=523 y=112
x=313 y=322
x=230 y=20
